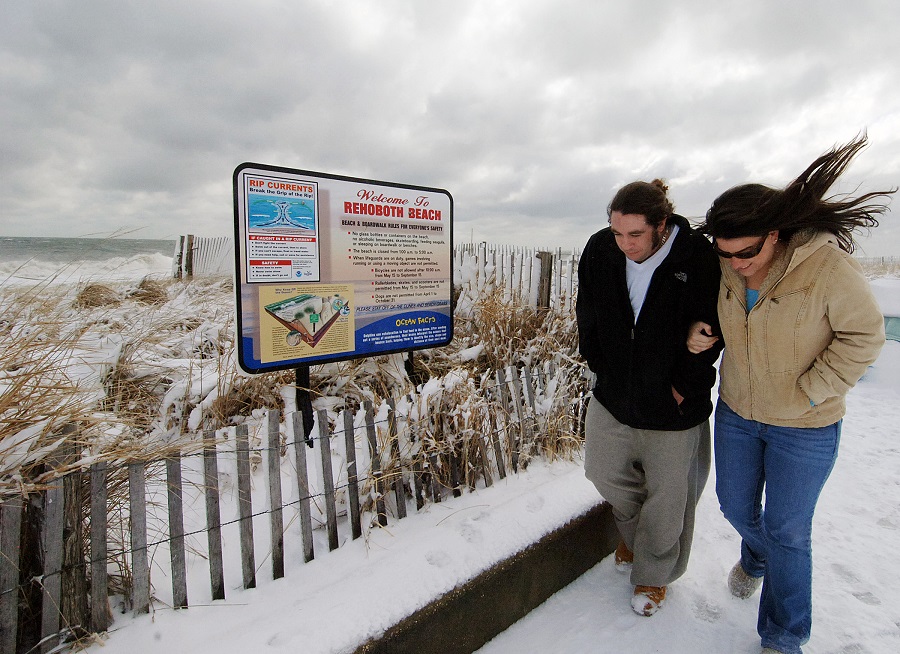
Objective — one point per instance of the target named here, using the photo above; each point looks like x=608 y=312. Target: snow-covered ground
x=855 y=566
x=337 y=601
x=342 y=598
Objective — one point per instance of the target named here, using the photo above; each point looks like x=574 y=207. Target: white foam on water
x=115 y=269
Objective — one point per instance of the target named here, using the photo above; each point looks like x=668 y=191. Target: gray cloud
x=120 y=115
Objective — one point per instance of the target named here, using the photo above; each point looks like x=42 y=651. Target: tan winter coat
x=812 y=333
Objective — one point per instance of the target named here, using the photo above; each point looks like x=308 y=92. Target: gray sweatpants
x=653 y=480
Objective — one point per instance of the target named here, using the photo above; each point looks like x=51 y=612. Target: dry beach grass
x=134 y=372
x=132 y=366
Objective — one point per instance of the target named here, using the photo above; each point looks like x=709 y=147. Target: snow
x=855 y=568
x=887 y=292
x=337 y=601
x=340 y=599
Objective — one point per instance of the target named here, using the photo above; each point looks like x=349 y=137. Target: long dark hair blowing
x=756 y=210
x=647 y=199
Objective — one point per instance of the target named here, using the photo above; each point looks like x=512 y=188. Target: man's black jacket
x=638 y=364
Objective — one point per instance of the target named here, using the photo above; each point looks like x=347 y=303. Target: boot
x=741 y=584
x=648 y=599
x=624 y=557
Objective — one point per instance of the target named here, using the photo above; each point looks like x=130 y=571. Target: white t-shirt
x=638 y=275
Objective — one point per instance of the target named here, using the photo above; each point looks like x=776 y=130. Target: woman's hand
x=700 y=338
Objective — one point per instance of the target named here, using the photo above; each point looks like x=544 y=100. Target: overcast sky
x=120 y=116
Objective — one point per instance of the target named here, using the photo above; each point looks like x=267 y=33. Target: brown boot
x=648 y=599
x=624 y=557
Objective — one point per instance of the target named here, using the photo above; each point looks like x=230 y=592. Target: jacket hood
x=801 y=246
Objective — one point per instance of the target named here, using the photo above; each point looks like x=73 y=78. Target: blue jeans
x=792 y=465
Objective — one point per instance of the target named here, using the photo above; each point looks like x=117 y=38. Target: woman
x=800 y=326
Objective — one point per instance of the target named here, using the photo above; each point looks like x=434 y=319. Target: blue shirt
x=752 y=297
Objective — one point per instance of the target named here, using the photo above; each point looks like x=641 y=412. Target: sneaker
x=741 y=584
x=648 y=599
x=624 y=557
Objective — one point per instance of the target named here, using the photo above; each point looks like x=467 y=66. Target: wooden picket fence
x=527 y=276
x=879 y=261
x=198 y=256
x=405 y=463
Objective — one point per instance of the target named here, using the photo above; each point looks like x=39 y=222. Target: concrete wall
x=463 y=620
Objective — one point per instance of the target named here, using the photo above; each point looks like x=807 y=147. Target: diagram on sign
x=308 y=317
x=266 y=213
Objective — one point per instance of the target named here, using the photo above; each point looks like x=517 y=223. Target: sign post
x=330 y=268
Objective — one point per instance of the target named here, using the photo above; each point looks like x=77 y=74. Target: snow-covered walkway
x=344 y=597
x=855 y=558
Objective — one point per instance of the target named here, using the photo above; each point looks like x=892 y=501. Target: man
x=642 y=282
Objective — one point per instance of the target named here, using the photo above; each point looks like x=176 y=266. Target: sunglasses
x=746 y=253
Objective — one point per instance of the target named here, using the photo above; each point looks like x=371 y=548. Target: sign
x=331 y=268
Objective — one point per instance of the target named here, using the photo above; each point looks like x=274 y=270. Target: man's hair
x=644 y=198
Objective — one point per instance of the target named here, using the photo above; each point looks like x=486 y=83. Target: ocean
x=38 y=259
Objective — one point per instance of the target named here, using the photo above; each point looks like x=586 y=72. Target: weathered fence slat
x=546 y=280
x=503 y=422
x=495 y=442
x=399 y=491
x=455 y=480
x=10 y=532
x=189 y=256
x=484 y=459
x=417 y=466
x=213 y=516
x=530 y=390
x=176 y=532
x=245 y=506
x=276 y=517
x=327 y=478
x=418 y=491
x=52 y=545
x=452 y=457
x=525 y=432
x=178 y=259
x=377 y=474
x=140 y=565
x=471 y=454
x=435 y=483
x=99 y=591
x=352 y=475
x=302 y=485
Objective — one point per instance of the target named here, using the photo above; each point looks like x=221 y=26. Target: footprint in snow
x=471 y=533
x=535 y=503
x=438 y=558
x=863 y=596
x=867 y=598
x=707 y=612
